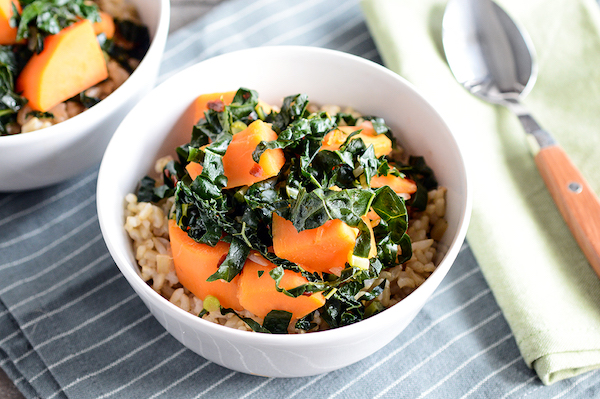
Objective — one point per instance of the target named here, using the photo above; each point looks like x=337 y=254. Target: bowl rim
x=104 y=107
x=326 y=336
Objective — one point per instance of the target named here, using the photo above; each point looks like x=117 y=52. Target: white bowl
x=154 y=128
x=48 y=156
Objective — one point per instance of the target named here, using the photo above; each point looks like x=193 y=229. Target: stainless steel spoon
x=494 y=59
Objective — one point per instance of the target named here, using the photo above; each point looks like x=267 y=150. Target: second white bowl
x=51 y=155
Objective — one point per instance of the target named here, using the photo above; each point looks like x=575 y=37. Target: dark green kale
x=275 y=322
x=418 y=170
x=136 y=35
x=11 y=64
x=41 y=18
x=137 y=38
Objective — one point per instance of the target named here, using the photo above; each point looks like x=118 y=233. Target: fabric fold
x=546 y=289
x=13 y=345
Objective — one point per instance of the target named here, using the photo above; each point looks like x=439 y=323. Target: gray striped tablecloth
x=70 y=326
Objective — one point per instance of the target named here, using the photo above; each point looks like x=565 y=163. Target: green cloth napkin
x=546 y=289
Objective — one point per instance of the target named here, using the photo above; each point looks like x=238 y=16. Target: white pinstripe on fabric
x=438 y=351
x=216 y=384
x=6 y=339
x=54 y=244
x=56 y=264
x=60 y=309
x=347 y=26
x=257 y=388
x=212 y=27
x=111 y=365
x=73 y=302
x=241 y=36
x=144 y=374
x=577 y=382
x=61 y=283
x=75 y=329
x=520 y=386
x=46 y=226
x=181 y=379
x=370 y=55
x=464 y=364
x=489 y=376
x=451 y=285
x=95 y=346
x=355 y=41
x=71 y=356
x=540 y=386
x=305 y=28
x=64 y=306
x=50 y=200
x=303 y=387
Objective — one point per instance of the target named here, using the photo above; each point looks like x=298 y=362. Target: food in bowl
x=286 y=219
x=58 y=59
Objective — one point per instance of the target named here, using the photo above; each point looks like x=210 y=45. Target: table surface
x=182 y=12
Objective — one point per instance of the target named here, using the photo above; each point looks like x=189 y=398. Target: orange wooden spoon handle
x=577 y=203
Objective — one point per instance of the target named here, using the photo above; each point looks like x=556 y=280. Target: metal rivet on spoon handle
x=494 y=59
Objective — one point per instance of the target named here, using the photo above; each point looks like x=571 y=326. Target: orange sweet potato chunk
x=240 y=169
x=106 y=25
x=259 y=295
x=381 y=143
x=201 y=104
x=195 y=262
x=194 y=169
x=324 y=249
x=71 y=62
x=8 y=34
x=398 y=184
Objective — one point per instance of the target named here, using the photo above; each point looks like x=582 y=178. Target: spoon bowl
x=488 y=53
